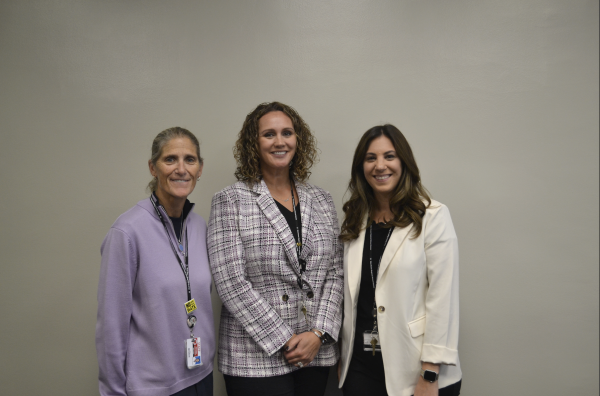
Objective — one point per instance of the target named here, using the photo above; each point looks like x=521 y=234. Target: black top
x=366 y=297
x=289 y=217
x=187 y=206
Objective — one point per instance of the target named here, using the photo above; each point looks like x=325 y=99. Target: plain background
x=499 y=99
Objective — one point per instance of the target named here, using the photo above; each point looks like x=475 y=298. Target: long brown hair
x=246 y=151
x=409 y=199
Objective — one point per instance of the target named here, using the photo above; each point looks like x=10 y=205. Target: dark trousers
x=202 y=388
x=360 y=382
x=310 y=381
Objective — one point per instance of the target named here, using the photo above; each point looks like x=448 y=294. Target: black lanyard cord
x=184 y=267
x=299 y=241
x=374 y=276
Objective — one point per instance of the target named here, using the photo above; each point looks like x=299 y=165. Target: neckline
x=283 y=206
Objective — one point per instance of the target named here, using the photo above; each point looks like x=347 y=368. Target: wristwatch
x=429 y=376
x=323 y=337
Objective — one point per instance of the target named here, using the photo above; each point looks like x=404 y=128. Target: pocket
x=417 y=327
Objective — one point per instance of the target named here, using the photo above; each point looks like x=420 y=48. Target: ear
x=151 y=167
x=200 y=170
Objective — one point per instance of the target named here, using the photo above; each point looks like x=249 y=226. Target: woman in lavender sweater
x=149 y=338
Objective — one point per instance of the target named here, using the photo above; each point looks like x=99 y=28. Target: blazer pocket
x=417 y=327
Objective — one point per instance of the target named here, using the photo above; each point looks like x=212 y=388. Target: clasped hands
x=301 y=349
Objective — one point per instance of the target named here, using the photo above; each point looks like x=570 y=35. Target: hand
x=426 y=388
x=302 y=348
x=286 y=346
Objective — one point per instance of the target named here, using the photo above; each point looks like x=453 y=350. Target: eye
x=390 y=156
x=288 y=133
x=191 y=160
x=169 y=159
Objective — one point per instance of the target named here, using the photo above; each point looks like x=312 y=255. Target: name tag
x=371 y=342
x=193 y=353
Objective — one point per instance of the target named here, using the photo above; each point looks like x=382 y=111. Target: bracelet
x=317 y=334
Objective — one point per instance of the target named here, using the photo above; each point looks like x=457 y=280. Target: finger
x=293 y=343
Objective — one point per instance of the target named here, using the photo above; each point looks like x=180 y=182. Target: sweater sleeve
x=117 y=276
x=228 y=264
x=329 y=314
x=440 y=345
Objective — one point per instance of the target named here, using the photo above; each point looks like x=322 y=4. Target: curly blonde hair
x=246 y=151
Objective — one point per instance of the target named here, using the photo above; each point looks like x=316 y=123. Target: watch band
x=429 y=376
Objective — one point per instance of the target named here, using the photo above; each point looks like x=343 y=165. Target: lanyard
x=299 y=242
x=374 y=277
x=184 y=267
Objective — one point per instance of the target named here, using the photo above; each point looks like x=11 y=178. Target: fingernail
x=287 y=348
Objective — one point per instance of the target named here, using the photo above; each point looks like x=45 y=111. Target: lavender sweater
x=141 y=325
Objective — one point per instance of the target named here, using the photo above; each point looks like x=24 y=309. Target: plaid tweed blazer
x=254 y=263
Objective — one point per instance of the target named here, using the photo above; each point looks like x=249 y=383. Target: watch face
x=430 y=376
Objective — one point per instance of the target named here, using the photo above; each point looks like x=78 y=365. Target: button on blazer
x=255 y=267
x=417 y=299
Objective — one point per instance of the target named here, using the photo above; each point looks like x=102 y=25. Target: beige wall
x=498 y=98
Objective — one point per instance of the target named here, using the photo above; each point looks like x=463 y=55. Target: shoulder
x=316 y=192
x=196 y=220
x=435 y=207
x=134 y=219
x=233 y=192
x=437 y=216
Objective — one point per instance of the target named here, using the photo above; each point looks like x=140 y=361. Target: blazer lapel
x=398 y=237
x=267 y=205
x=354 y=259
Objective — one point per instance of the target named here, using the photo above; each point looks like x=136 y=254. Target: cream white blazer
x=417 y=299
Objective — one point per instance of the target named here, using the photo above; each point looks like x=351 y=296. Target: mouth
x=382 y=177
x=279 y=153
x=180 y=180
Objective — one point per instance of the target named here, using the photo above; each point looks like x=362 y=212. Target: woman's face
x=176 y=170
x=382 y=167
x=276 y=141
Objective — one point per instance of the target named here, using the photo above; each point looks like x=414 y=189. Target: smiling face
x=382 y=167
x=176 y=170
x=276 y=141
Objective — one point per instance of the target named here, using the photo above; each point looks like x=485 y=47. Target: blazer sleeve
x=115 y=300
x=329 y=314
x=440 y=344
x=228 y=262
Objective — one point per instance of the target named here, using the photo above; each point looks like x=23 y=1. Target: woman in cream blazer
x=400 y=251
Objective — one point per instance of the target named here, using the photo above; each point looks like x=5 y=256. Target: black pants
x=310 y=381
x=202 y=388
x=360 y=382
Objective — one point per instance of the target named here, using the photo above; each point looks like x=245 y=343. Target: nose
x=180 y=168
x=380 y=164
x=279 y=140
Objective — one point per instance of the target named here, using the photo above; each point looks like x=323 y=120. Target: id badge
x=194 y=356
x=371 y=341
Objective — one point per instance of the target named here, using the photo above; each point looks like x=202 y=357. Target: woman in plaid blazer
x=277 y=262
